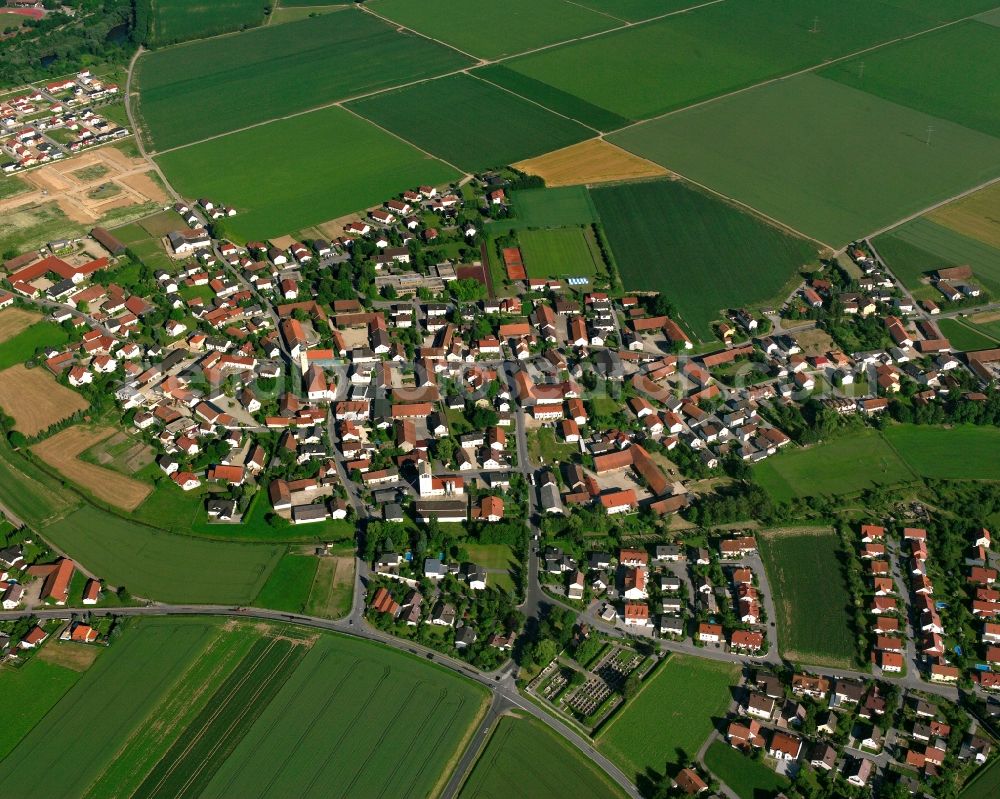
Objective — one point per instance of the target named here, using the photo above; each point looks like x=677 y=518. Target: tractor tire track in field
x=445 y=729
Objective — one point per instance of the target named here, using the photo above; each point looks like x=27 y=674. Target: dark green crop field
x=360 y=166
x=492 y=30
x=794 y=150
x=806 y=576
x=274 y=71
x=705 y=254
x=470 y=123
x=179 y=20
x=546 y=766
x=931 y=74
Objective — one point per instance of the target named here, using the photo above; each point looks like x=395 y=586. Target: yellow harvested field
x=14 y=320
x=976 y=216
x=593 y=161
x=985 y=317
x=61 y=451
x=35 y=399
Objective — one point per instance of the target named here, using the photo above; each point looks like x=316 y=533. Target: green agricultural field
x=931 y=74
x=24 y=345
x=11 y=186
x=638 y=10
x=159 y=565
x=705 y=52
x=492 y=30
x=71 y=746
x=28 y=492
x=274 y=71
x=173 y=21
x=673 y=712
x=561 y=207
x=965 y=338
x=360 y=166
x=31 y=691
x=210 y=738
x=546 y=766
x=289 y=585
x=555 y=99
x=921 y=246
x=844 y=465
x=809 y=126
x=197 y=682
x=806 y=577
x=470 y=123
x=966 y=452
x=748 y=778
x=705 y=254
x=370 y=720
x=559 y=252
x=985 y=784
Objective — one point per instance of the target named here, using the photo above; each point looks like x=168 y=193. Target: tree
x=631 y=686
x=545 y=652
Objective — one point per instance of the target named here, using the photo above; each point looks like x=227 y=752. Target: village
x=367 y=380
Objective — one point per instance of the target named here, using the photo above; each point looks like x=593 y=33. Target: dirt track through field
x=35 y=399
x=14 y=320
x=61 y=451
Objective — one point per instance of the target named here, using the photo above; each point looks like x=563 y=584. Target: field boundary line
x=401 y=27
x=543 y=107
x=602 y=13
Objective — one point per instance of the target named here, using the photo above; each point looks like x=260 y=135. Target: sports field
x=354 y=719
x=592 y=161
x=36 y=686
x=338 y=164
x=277 y=70
x=843 y=465
x=965 y=338
x=179 y=20
x=546 y=766
x=561 y=207
x=560 y=252
x=705 y=254
x=673 y=712
x=35 y=399
x=492 y=30
x=70 y=747
x=931 y=74
x=806 y=577
x=966 y=452
x=976 y=216
x=155 y=564
x=705 y=53
x=922 y=245
x=747 y=777
x=470 y=123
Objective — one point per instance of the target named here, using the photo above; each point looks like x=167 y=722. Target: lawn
x=70 y=747
x=332 y=591
x=748 y=778
x=931 y=74
x=705 y=254
x=366 y=719
x=562 y=207
x=490 y=556
x=288 y=586
x=159 y=565
x=173 y=21
x=966 y=452
x=493 y=30
x=963 y=337
x=806 y=577
x=277 y=70
x=31 y=691
x=24 y=345
x=560 y=252
x=545 y=447
x=360 y=166
x=470 y=123
x=649 y=69
x=922 y=245
x=842 y=465
x=809 y=125
x=671 y=716
x=545 y=765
